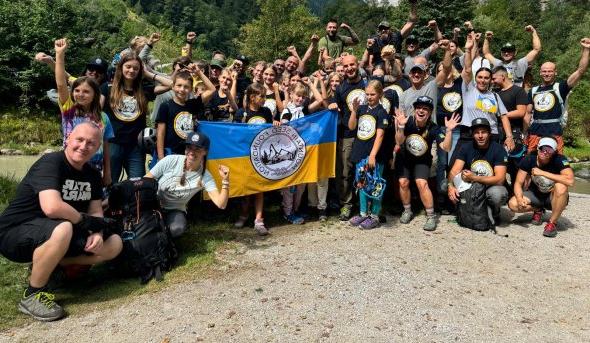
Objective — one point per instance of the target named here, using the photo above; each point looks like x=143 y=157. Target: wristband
x=225 y=182
x=154 y=77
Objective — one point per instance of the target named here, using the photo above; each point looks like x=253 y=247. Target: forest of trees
x=262 y=29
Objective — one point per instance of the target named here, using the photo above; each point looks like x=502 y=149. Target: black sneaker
x=322 y=215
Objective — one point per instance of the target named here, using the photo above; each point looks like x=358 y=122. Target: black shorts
x=18 y=243
x=540 y=200
x=412 y=171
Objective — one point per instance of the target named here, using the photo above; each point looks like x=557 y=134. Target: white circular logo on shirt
x=128 y=111
x=277 y=152
x=416 y=145
x=544 y=185
x=452 y=101
x=356 y=93
x=257 y=120
x=183 y=124
x=544 y=102
x=367 y=126
x=482 y=168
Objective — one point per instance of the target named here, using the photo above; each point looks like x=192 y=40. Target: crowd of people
x=472 y=115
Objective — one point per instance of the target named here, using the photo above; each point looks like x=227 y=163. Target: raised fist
x=43 y=58
x=315 y=38
x=585 y=42
x=344 y=26
x=60 y=45
x=529 y=28
x=432 y=24
x=190 y=37
x=489 y=34
x=154 y=38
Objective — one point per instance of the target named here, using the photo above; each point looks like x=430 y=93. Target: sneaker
x=322 y=215
x=345 y=213
x=550 y=230
x=260 y=229
x=406 y=217
x=240 y=222
x=294 y=219
x=41 y=306
x=537 y=217
x=370 y=223
x=430 y=224
x=357 y=220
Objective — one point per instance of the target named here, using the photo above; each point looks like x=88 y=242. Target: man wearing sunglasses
x=548 y=175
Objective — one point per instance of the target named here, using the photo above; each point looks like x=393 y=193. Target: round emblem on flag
x=416 y=145
x=277 y=152
x=543 y=184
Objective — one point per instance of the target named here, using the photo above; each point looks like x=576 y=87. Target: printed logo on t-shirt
x=73 y=190
x=544 y=101
x=357 y=93
x=452 y=101
x=482 y=168
x=367 y=126
x=544 y=185
x=183 y=124
x=128 y=111
x=416 y=145
x=486 y=104
x=396 y=88
x=257 y=120
x=277 y=152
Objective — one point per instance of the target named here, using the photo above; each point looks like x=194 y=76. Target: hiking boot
x=357 y=220
x=260 y=229
x=370 y=223
x=345 y=213
x=430 y=224
x=550 y=230
x=240 y=222
x=322 y=215
x=537 y=217
x=406 y=217
x=294 y=219
x=41 y=306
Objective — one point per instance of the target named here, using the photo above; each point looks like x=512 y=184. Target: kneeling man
x=56 y=219
x=549 y=175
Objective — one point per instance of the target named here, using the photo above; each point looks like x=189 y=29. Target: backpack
x=564 y=104
x=472 y=209
x=368 y=182
x=148 y=249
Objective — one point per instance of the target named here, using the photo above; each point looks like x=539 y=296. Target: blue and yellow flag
x=262 y=157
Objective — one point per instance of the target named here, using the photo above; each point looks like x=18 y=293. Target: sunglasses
x=546 y=150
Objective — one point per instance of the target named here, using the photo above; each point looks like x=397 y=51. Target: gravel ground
x=332 y=283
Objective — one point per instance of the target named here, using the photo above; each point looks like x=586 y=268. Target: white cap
x=548 y=141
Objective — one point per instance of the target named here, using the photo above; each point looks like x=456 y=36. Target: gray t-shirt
x=172 y=194
x=516 y=69
x=481 y=105
x=409 y=60
x=409 y=96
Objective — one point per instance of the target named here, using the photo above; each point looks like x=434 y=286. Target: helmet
x=367 y=181
x=146 y=140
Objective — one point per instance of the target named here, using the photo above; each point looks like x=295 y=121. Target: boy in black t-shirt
x=56 y=220
x=550 y=176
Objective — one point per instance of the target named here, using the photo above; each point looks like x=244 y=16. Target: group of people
x=398 y=116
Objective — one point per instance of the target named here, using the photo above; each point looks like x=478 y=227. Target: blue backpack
x=367 y=181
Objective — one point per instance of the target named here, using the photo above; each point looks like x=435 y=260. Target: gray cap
x=384 y=24
x=420 y=66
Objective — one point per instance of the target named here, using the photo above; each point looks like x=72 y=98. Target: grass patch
x=581 y=152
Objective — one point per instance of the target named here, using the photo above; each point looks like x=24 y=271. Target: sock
x=32 y=290
x=408 y=207
x=430 y=212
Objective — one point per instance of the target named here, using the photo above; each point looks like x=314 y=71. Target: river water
x=17 y=167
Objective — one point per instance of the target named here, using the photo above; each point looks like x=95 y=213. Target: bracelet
x=225 y=187
x=154 y=77
x=225 y=182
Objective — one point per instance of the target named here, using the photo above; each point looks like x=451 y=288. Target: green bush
x=25 y=130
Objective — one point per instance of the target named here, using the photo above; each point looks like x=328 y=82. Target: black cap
x=411 y=38
x=477 y=122
x=384 y=24
x=508 y=47
x=198 y=139
x=98 y=63
x=243 y=58
x=424 y=100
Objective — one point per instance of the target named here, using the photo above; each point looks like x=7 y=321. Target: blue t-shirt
x=369 y=121
x=554 y=166
x=344 y=96
x=482 y=161
x=418 y=144
x=546 y=106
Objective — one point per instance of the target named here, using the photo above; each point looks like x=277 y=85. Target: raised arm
x=60 y=70
x=353 y=39
x=317 y=96
x=486 y=47
x=467 y=73
x=532 y=55
x=400 y=125
x=412 y=18
x=441 y=76
x=312 y=47
x=210 y=87
x=188 y=47
x=575 y=77
x=434 y=27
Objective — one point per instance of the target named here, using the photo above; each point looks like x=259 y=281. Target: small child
x=254 y=113
x=370 y=122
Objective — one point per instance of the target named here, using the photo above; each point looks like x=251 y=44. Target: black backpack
x=472 y=209
x=148 y=249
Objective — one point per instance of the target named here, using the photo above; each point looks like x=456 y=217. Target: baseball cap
x=198 y=139
x=216 y=63
x=411 y=38
x=548 y=141
x=384 y=24
x=480 y=122
x=97 y=63
x=420 y=66
x=424 y=100
x=508 y=47
x=243 y=58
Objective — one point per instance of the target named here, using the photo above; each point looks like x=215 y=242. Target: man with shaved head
x=351 y=88
x=56 y=220
x=547 y=101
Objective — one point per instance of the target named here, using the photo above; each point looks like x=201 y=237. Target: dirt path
x=338 y=284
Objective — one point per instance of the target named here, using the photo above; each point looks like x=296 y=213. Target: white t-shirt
x=172 y=194
x=481 y=105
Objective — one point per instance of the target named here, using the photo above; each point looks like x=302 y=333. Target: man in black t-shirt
x=56 y=220
x=550 y=175
x=482 y=161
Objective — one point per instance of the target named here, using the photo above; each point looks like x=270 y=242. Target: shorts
x=18 y=243
x=540 y=200
x=412 y=171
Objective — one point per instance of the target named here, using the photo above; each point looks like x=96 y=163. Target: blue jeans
x=129 y=157
x=364 y=199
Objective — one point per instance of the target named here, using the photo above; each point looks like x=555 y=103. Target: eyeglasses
x=546 y=150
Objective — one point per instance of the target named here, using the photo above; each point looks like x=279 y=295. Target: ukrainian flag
x=262 y=157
